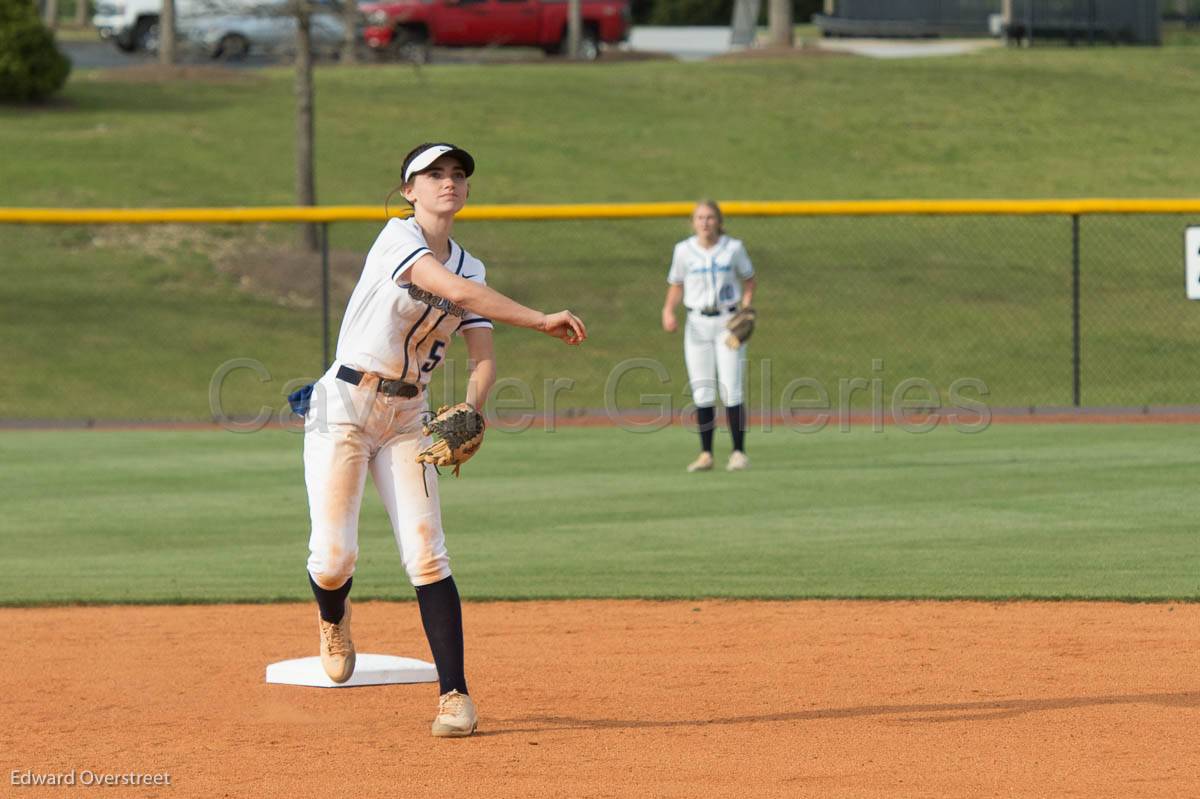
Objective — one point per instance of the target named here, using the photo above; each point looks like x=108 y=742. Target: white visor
x=426 y=157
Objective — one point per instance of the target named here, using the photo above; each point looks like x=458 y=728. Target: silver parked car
x=233 y=31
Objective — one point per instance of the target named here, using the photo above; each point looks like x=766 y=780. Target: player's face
x=705 y=223
x=440 y=189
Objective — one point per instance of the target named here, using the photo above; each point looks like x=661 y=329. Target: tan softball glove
x=740 y=327
x=459 y=433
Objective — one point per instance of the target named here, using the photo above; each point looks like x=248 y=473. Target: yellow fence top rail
x=373 y=213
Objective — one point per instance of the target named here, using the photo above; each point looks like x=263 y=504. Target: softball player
x=418 y=289
x=711 y=272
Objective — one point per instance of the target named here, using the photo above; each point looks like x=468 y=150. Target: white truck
x=130 y=24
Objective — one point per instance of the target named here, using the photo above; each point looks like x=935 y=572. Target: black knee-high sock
x=332 y=603
x=736 y=416
x=441 y=614
x=706 y=418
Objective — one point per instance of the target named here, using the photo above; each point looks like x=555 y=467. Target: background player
x=418 y=288
x=711 y=272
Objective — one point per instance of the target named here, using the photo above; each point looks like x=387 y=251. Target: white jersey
x=711 y=279
x=391 y=326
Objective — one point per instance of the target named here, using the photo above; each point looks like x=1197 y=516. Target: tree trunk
x=349 y=51
x=574 y=28
x=52 y=14
x=306 y=190
x=781 y=32
x=81 y=13
x=166 y=33
x=829 y=8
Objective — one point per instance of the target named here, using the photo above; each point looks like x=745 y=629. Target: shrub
x=31 y=67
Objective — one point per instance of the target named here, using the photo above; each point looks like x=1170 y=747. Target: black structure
x=1084 y=21
x=908 y=19
x=1087 y=21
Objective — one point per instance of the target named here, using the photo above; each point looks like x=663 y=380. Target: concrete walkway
x=685 y=43
x=700 y=43
x=907 y=48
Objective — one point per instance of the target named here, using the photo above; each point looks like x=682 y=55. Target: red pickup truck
x=407 y=28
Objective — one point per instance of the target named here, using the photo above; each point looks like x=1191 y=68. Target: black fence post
x=324 y=297
x=1075 y=344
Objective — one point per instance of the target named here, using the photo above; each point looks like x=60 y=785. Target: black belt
x=714 y=311
x=389 y=388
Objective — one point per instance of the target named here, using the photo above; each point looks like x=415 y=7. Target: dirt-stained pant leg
x=335 y=471
x=409 y=490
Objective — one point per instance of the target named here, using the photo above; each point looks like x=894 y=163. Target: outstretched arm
x=434 y=277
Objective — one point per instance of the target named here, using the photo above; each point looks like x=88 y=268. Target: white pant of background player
x=350 y=431
x=713 y=368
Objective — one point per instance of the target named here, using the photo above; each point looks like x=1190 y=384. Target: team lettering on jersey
x=440 y=303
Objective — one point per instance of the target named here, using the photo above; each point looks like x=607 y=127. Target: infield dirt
x=622 y=699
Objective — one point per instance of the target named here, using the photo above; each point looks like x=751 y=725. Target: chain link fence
x=144 y=322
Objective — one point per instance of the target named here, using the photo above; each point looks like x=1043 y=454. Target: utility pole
x=574 y=28
x=781 y=26
x=350 y=17
x=81 y=13
x=306 y=184
x=52 y=14
x=166 y=32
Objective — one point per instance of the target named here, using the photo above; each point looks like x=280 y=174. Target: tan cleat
x=703 y=463
x=337 y=647
x=738 y=462
x=456 y=716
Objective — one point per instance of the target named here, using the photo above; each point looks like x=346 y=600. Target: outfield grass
x=133 y=322
x=941 y=300
x=1015 y=511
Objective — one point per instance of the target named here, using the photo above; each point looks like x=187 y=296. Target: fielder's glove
x=459 y=432
x=740 y=327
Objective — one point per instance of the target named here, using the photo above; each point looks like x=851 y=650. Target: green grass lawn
x=1015 y=511
x=133 y=322
x=1037 y=123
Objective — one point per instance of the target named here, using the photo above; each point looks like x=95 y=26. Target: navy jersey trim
x=480 y=321
x=462 y=254
x=418 y=251
x=417 y=348
x=408 y=338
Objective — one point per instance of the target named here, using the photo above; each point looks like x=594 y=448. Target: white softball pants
x=349 y=431
x=711 y=365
